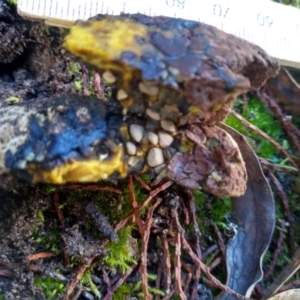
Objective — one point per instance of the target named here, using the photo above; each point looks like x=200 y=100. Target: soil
x=33 y=65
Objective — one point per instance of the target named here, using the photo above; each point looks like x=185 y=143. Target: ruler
x=273 y=26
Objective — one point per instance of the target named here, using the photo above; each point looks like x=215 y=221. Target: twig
x=192 y=209
x=58 y=210
x=153 y=193
x=287 y=272
x=145 y=239
x=177 y=265
x=287 y=212
x=290 y=129
x=78 y=293
x=264 y=135
x=6 y=273
x=135 y=206
x=184 y=211
x=40 y=255
x=78 y=276
x=170 y=295
x=215 y=263
x=167 y=261
x=292 y=285
x=278 y=168
x=119 y=226
x=118 y=284
x=142 y=183
x=220 y=240
x=209 y=251
x=187 y=283
x=93 y=187
x=201 y=265
x=106 y=280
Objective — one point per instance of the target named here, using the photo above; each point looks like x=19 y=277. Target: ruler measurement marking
x=273 y=26
x=68 y=9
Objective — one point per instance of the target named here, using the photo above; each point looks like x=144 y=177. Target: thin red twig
x=177 y=265
x=167 y=261
x=135 y=206
x=145 y=240
x=264 y=135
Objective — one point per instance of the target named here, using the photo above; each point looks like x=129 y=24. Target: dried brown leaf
x=254 y=218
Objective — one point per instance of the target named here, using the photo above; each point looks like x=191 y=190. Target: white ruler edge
x=273 y=26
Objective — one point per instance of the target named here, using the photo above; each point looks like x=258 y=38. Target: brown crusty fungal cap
x=216 y=163
x=206 y=65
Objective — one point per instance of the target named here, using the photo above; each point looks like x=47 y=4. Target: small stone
x=148 y=89
x=121 y=95
x=131 y=148
x=103 y=156
x=155 y=157
x=168 y=125
x=159 y=169
x=136 y=132
x=21 y=164
x=165 y=140
x=217 y=178
x=152 y=114
x=109 y=77
x=136 y=162
x=153 y=138
x=30 y=156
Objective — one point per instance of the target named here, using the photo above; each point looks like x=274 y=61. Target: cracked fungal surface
x=173 y=81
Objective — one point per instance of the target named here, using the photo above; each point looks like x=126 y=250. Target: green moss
x=51 y=288
x=73 y=67
x=13 y=2
x=120 y=255
x=77 y=86
x=86 y=279
x=12 y=100
x=49 y=240
x=154 y=291
x=124 y=290
x=257 y=114
x=40 y=216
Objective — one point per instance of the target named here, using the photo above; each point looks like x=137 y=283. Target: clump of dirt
x=33 y=63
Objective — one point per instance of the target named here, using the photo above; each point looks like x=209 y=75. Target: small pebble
x=165 y=140
x=151 y=90
x=136 y=162
x=159 y=169
x=152 y=114
x=168 y=125
x=121 y=95
x=131 y=148
x=153 y=138
x=109 y=77
x=21 y=164
x=216 y=177
x=155 y=157
x=30 y=156
x=137 y=132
